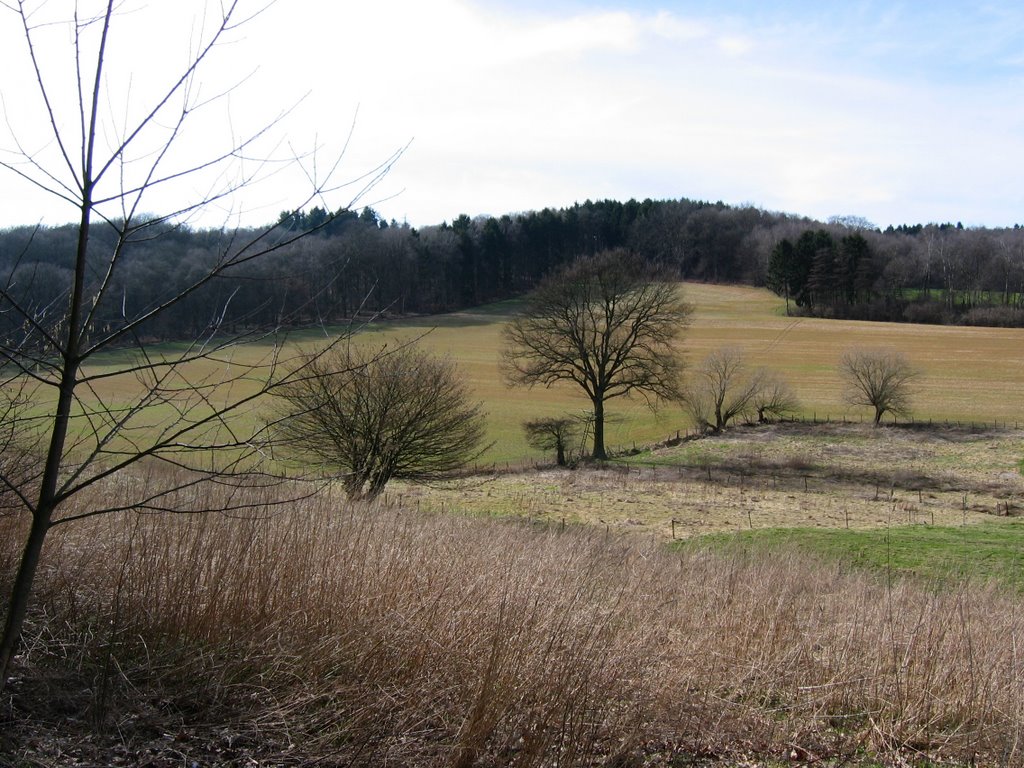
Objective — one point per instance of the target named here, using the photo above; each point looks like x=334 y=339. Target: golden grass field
x=969 y=374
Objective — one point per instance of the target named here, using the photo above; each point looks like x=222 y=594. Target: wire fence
x=830 y=495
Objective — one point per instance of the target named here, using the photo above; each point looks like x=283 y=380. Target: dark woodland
x=358 y=264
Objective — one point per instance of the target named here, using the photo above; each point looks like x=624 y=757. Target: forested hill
x=358 y=263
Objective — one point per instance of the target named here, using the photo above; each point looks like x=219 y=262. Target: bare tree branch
x=192 y=408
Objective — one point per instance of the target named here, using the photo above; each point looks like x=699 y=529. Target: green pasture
x=969 y=374
x=988 y=551
x=990 y=298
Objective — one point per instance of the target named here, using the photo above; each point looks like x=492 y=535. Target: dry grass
x=342 y=635
x=783 y=475
x=970 y=374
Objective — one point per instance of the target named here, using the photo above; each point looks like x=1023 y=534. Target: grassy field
x=793 y=475
x=988 y=551
x=548 y=622
x=838 y=477
x=970 y=374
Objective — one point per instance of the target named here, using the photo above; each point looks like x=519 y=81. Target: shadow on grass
x=714 y=459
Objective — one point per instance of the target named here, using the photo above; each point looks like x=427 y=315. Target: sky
x=897 y=112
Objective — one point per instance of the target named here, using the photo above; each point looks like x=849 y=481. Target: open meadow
x=802 y=593
x=790 y=475
x=969 y=374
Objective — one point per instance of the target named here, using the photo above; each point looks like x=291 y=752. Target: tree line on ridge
x=357 y=263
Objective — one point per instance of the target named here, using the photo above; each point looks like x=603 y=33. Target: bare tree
x=608 y=324
x=722 y=390
x=878 y=379
x=553 y=433
x=175 y=407
x=379 y=415
x=774 y=399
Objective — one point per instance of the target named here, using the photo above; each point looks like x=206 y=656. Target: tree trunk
x=377 y=485
x=599 y=452
x=560 y=452
x=48 y=502
x=20 y=594
x=353 y=486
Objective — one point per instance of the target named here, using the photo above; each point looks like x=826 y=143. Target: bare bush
x=380 y=415
x=724 y=389
x=998 y=317
x=774 y=399
x=555 y=433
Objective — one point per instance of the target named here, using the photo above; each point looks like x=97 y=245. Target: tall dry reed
x=372 y=635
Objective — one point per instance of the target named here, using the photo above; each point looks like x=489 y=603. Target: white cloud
x=551 y=109
x=574 y=36
x=671 y=27
x=735 y=45
x=513 y=110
